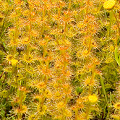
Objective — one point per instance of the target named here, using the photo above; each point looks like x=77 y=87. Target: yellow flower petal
x=109 y=4
x=92 y=98
x=117 y=105
x=14 y=62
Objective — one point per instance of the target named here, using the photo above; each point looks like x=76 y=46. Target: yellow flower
x=14 y=62
x=116 y=117
x=92 y=98
x=117 y=105
x=109 y=4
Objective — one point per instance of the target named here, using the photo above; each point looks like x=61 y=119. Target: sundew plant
x=59 y=59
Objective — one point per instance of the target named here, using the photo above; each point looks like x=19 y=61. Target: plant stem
x=88 y=111
x=69 y=5
x=117 y=22
x=103 y=88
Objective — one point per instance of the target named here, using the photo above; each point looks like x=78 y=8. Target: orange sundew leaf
x=25 y=13
x=43 y=42
x=46 y=71
x=67 y=113
x=81 y=24
x=80 y=104
x=114 y=27
x=23 y=109
x=62 y=47
x=62 y=4
x=48 y=93
x=13 y=15
x=94 y=44
x=47 y=37
x=18 y=2
x=66 y=73
x=82 y=116
x=23 y=89
x=56 y=85
x=16 y=100
x=32 y=14
x=28 y=58
x=56 y=17
x=67 y=16
x=32 y=83
x=47 y=59
x=98 y=72
x=89 y=81
x=36 y=2
x=32 y=20
x=67 y=89
x=9 y=57
x=18 y=10
x=38 y=97
x=61 y=105
x=85 y=53
x=42 y=110
x=74 y=108
x=41 y=85
x=25 y=40
x=49 y=6
x=34 y=33
x=96 y=61
x=57 y=95
x=14 y=42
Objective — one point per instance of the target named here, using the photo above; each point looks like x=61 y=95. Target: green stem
x=117 y=58
x=103 y=88
x=110 y=106
x=88 y=111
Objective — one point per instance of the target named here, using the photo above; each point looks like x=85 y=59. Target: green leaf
x=79 y=90
x=117 y=58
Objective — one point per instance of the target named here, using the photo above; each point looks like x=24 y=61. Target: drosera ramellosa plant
x=59 y=60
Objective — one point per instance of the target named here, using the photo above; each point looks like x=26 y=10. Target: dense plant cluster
x=59 y=59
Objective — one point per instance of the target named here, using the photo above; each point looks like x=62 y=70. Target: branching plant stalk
x=92 y=79
x=69 y=5
x=89 y=48
x=117 y=22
